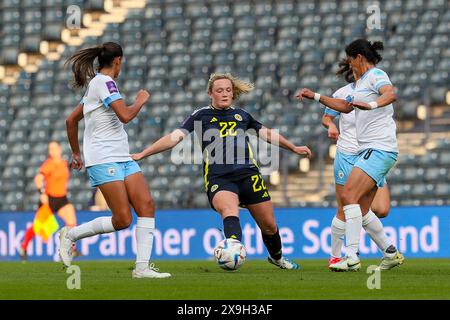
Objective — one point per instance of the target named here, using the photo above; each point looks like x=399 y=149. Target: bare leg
x=359 y=184
x=227 y=204
x=67 y=214
x=381 y=204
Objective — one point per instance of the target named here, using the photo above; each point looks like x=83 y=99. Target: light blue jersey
x=105 y=139
x=347 y=155
x=375 y=129
x=347 y=142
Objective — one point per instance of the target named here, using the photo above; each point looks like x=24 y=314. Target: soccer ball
x=230 y=254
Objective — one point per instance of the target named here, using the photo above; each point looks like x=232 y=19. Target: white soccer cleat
x=346 y=264
x=284 y=263
x=65 y=247
x=387 y=263
x=150 y=272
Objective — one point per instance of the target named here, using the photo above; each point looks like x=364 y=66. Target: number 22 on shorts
x=256 y=178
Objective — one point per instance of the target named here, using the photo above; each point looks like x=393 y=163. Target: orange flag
x=45 y=223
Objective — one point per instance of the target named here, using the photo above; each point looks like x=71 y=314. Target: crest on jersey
x=238 y=117
x=111 y=171
x=349 y=98
x=340 y=174
x=214 y=187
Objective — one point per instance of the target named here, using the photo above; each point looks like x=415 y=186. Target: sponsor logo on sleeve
x=112 y=88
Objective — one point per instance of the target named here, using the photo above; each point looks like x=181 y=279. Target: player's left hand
x=361 y=105
x=76 y=162
x=303 y=150
x=137 y=156
x=43 y=198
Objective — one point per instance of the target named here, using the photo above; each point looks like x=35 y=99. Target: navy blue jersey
x=225 y=143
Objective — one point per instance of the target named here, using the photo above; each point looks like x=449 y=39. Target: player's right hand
x=333 y=133
x=305 y=93
x=76 y=162
x=142 y=96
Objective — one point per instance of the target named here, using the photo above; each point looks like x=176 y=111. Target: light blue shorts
x=343 y=165
x=107 y=172
x=376 y=164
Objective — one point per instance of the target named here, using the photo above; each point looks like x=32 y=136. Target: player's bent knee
x=381 y=213
x=121 y=223
x=228 y=211
x=348 y=197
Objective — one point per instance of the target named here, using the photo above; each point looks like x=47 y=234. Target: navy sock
x=232 y=228
x=273 y=244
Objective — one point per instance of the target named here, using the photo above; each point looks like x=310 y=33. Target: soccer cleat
x=65 y=247
x=284 y=263
x=23 y=254
x=150 y=272
x=346 y=264
x=333 y=260
x=387 y=263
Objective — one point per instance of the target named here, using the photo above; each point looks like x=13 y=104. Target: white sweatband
x=373 y=105
x=317 y=96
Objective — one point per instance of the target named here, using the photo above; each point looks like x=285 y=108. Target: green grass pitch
x=203 y=280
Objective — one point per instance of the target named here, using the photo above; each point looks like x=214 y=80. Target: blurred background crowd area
x=172 y=46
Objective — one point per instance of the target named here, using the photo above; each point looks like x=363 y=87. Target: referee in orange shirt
x=52 y=181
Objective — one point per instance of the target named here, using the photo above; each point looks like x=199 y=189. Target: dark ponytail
x=83 y=61
x=345 y=71
x=367 y=49
x=378 y=46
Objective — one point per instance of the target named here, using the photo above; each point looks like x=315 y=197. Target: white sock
x=144 y=241
x=353 y=225
x=337 y=235
x=97 y=226
x=374 y=228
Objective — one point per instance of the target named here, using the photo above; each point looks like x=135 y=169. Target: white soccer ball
x=230 y=254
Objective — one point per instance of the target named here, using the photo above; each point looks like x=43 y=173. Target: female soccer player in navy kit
x=371 y=96
x=231 y=172
x=107 y=156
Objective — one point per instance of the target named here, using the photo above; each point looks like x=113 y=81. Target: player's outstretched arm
x=277 y=139
x=336 y=104
x=126 y=114
x=327 y=122
x=72 y=135
x=387 y=97
x=165 y=143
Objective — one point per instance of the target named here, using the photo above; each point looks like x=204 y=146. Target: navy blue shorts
x=250 y=189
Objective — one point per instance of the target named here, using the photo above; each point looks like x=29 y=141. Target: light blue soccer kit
x=105 y=143
x=375 y=131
